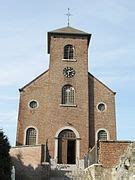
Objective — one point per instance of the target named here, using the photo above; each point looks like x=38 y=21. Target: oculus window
x=101 y=107
x=33 y=104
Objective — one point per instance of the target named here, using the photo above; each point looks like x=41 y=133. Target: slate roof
x=69 y=30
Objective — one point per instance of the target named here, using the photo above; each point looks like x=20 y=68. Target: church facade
x=66 y=107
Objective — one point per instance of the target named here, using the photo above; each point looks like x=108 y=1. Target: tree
x=5 y=159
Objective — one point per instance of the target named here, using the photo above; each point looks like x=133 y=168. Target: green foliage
x=5 y=160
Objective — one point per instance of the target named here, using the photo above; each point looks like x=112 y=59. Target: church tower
x=68 y=70
x=66 y=107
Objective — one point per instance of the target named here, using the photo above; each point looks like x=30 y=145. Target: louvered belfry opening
x=66 y=147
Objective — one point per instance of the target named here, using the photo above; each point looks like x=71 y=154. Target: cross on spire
x=68 y=16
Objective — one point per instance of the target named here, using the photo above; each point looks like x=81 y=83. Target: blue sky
x=23 y=51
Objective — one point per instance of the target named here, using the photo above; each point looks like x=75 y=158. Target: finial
x=68 y=15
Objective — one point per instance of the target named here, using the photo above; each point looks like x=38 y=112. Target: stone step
x=74 y=174
x=65 y=171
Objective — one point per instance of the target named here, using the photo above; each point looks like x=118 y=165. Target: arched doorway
x=67 y=147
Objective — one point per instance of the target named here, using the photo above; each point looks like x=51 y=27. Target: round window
x=101 y=107
x=33 y=104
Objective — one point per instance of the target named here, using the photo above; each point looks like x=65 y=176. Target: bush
x=5 y=159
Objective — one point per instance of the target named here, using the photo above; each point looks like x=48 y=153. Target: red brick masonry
x=110 y=152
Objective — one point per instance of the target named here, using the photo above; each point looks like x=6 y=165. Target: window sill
x=68 y=105
x=69 y=60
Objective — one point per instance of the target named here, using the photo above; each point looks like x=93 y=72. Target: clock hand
x=68 y=72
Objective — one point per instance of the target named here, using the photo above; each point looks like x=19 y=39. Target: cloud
x=8 y=118
x=113 y=12
x=114 y=67
x=8 y=76
x=114 y=55
x=8 y=98
x=21 y=72
x=116 y=81
x=8 y=123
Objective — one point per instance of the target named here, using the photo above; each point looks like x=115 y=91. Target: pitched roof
x=21 y=89
x=67 y=31
x=101 y=83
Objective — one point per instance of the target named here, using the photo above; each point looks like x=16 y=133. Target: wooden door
x=66 y=147
x=64 y=151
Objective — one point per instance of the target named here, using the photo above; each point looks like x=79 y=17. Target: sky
x=23 y=51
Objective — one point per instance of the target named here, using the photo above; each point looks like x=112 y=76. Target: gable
x=96 y=82
x=42 y=78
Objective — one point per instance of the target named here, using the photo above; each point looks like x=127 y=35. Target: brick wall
x=110 y=152
x=99 y=93
x=36 y=90
x=60 y=116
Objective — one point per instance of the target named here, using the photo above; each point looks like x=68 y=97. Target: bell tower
x=68 y=73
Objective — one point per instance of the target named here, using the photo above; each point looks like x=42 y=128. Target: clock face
x=69 y=72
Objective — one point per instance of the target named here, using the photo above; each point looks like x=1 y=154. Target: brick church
x=66 y=107
x=66 y=121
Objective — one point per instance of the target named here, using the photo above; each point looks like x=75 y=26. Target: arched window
x=102 y=135
x=68 y=52
x=68 y=95
x=31 y=136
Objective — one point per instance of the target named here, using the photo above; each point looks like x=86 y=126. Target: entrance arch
x=67 y=146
